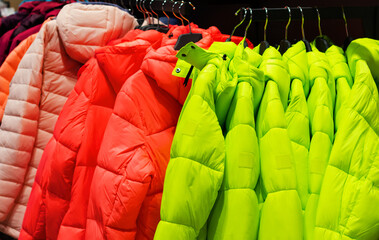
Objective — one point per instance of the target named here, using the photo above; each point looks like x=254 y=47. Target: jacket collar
x=296 y=58
x=85 y=27
x=338 y=63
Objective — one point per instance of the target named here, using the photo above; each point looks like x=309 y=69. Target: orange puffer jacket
x=44 y=79
x=8 y=69
x=127 y=184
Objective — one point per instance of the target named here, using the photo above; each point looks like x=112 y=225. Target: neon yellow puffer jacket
x=228 y=219
x=349 y=198
x=297 y=115
x=195 y=171
x=321 y=107
x=281 y=215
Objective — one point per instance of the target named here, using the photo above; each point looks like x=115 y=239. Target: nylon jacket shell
x=235 y=214
x=281 y=214
x=127 y=184
x=195 y=172
x=85 y=115
x=349 y=196
x=297 y=116
x=367 y=49
x=8 y=69
x=321 y=109
x=343 y=80
x=45 y=77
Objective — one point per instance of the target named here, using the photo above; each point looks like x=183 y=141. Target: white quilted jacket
x=43 y=81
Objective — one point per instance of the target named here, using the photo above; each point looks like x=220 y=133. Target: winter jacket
x=321 y=108
x=45 y=77
x=229 y=220
x=297 y=115
x=36 y=17
x=195 y=171
x=8 y=69
x=86 y=115
x=136 y=145
x=281 y=214
x=367 y=49
x=342 y=78
x=349 y=196
x=11 y=21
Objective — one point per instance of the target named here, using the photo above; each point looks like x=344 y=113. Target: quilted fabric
x=8 y=69
x=349 y=195
x=343 y=81
x=281 y=214
x=321 y=112
x=297 y=116
x=45 y=77
x=228 y=219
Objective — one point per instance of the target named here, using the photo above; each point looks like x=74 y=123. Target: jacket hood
x=159 y=63
x=296 y=58
x=122 y=60
x=338 y=63
x=276 y=69
x=319 y=68
x=85 y=27
x=366 y=49
x=45 y=7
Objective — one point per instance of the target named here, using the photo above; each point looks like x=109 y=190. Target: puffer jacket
x=342 y=78
x=297 y=115
x=45 y=77
x=235 y=214
x=128 y=180
x=321 y=108
x=281 y=214
x=195 y=172
x=349 y=195
x=367 y=49
x=8 y=69
x=90 y=104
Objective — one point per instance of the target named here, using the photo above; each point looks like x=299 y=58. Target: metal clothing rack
x=159 y=5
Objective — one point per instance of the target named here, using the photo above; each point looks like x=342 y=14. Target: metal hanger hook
x=344 y=19
x=173 y=12
x=239 y=24
x=318 y=21
x=168 y=18
x=180 y=13
x=147 y=12
x=251 y=19
x=302 y=21
x=153 y=12
x=266 y=22
x=288 y=23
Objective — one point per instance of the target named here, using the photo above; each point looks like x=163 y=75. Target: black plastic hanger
x=186 y=37
x=284 y=44
x=264 y=44
x=239 y=24
x=307 y=44
x=348 y=39
x=322 y=44
x=158 y=27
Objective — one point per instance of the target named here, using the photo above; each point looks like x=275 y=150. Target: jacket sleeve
x=195 y=171
x=8 y=69
x=19 y=126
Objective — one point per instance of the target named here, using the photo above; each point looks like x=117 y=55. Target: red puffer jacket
x=126 y=191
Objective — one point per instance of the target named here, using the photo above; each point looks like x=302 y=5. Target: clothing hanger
x=307 y=45
x=168 y=18
x=322 y=44
x=173 y=12
x=264 y=44
x=157 y=27
x=284 y=44
x=239 y=24
x=130 y=7
x=348 y=39
x=187 y=37
x=247 y=28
